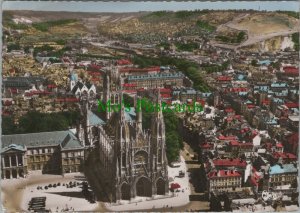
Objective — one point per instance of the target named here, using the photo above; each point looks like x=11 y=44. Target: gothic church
x=128 y=160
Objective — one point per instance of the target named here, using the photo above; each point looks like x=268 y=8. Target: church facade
x=128 y=160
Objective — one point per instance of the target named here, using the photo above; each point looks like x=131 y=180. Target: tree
x=44 y=122
x=254 y=62
x=275 y=65
x=172 y=145
x=13 y=46
x=8 y=125
x=240 y=36
x=295 y=39
x=294 y=184
x=227 y=203
x=215 y=203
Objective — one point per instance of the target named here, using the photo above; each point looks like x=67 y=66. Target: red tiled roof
x=129 y=85
x=239 y=89
x=229 y=119
x=94 y=73
x=6 y=113
x=254 y=181
x=131 y=69
x=201 y=101
x=266 y=102
x=222 y=137
x=250 y=106
x=40 y=93
x=51 y=86
x=14 y=90
x=206 y=146
x=279 y=145
x=7 y=103
x=224 y=173
x=163 y=90
x=165 y=95
x=224 y=78
x=129 y=91
x=292 y=105
x=94 y=66
x=246 y=144
x=229 y=110
x=230 y=162
x=236 y=143
x=123 y=62
x=284 y=155
x=291 y=70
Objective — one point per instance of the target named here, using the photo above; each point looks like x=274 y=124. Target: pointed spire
x=158 y=104
x=122 y=110
x=139 y=121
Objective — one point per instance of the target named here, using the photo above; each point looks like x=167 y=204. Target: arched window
x=124 y=164
x=159 y=156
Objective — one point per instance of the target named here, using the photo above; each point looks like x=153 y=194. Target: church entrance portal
x=143 y=187
x=125 y=191
x=160 y=186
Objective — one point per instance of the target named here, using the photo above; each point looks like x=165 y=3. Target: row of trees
x=51 y=52
x=215 y=68
x=206 y=26
x=40 y=122
x=238 y=38
x=44 y=26
x=295 y=39
x=187 y=47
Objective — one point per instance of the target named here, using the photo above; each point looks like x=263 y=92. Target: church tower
x=158 y=150
x=107 y=95
x=158 y=137
x=139 y=120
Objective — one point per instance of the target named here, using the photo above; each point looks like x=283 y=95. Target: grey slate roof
x=40 y=139
x=22 y=82
x=94 y=120
x=13 y=147
x=71 y=142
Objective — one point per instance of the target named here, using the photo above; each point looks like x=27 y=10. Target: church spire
x=122 y=108
x=159 y=106
x=139 y=119
x=107 y=93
